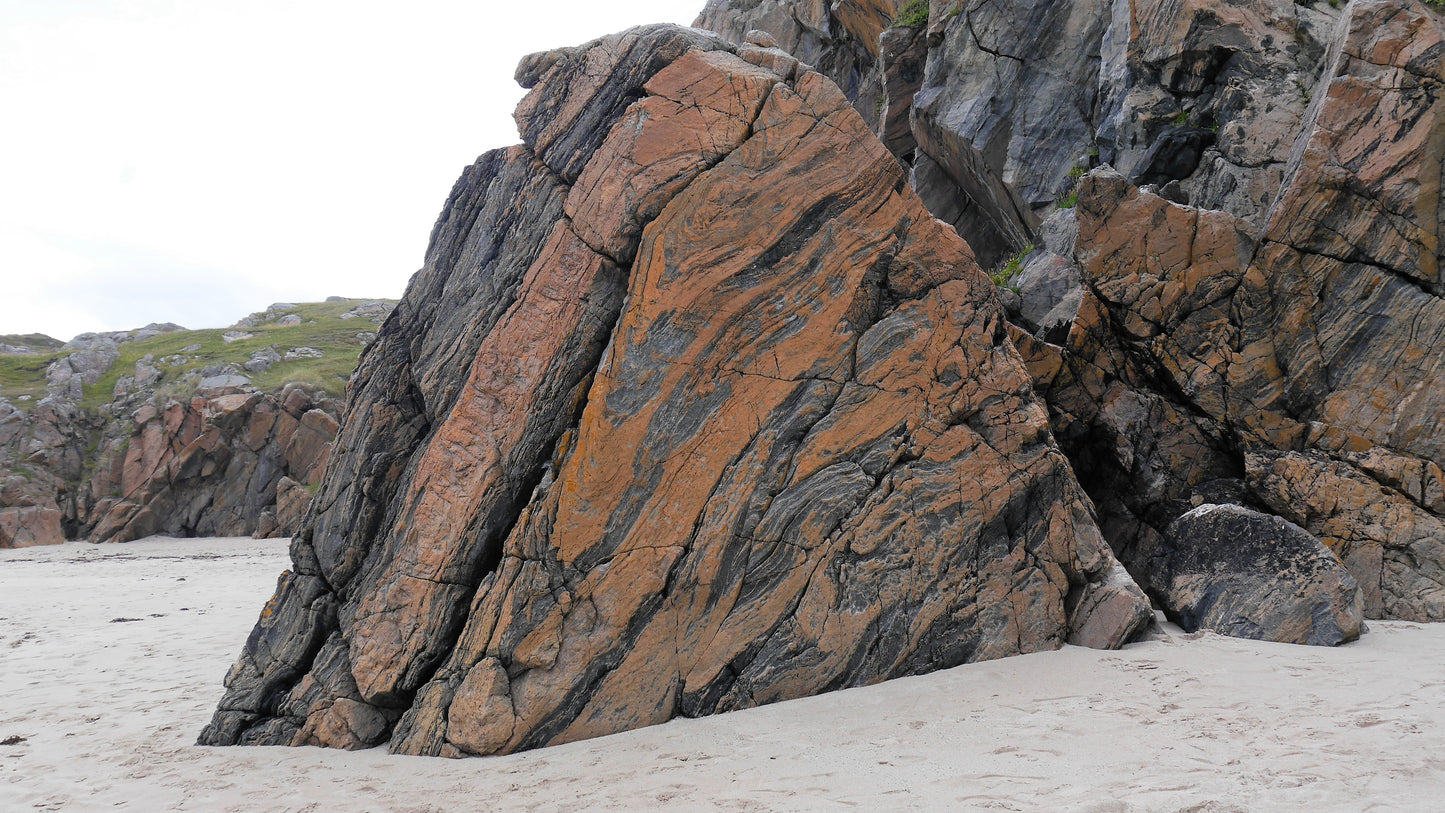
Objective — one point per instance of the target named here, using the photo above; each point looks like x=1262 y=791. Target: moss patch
x=914 y=14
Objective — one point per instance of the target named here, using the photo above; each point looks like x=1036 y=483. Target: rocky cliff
x=112 y=437
x=746 y=378
x=694 y=407
x=1244 y=304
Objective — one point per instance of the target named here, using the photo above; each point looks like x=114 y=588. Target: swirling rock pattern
x=694 y=407
x=1298 y=369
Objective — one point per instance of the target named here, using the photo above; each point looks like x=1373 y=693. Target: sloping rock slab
x=1250 y=575
x=735 y=423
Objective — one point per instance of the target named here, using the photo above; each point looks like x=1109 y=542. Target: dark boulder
x=1250 y=575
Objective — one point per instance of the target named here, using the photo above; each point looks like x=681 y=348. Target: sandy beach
x=111 y=660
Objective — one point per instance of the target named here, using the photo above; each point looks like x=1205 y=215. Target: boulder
x=718 y=415
x=223 y=384
x=22 y=527
x=262 y=360
x=1250 y=575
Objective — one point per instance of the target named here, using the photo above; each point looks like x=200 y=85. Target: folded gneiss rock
x=694 y=407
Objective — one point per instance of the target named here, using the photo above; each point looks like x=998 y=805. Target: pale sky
x=192 y=161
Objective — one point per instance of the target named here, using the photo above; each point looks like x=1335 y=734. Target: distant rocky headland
x=115 y=436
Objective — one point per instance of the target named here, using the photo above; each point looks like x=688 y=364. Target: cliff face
x=693 y=407
x=1014 y=96
x=225 y=463
x=117 y=436
x=703 y=398
x=1245 y=305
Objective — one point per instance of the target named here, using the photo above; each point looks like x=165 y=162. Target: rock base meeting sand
x=111 y=658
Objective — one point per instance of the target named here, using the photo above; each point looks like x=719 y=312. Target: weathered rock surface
x=1381 y=532
x=1015 y=83
x=211 y=466
x=175 y=450
x=1251 y=575
x=207 y=466
x=693 y=407
x=1015 y=97
x=901 y=55
x=839 y=39
x=1295 y=366
x=22 y=527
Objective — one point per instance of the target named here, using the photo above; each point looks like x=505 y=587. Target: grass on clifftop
x=321 y=328
x=38 y=342
x=24 y=376
x=184 y=352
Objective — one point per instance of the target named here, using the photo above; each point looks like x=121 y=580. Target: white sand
x=1199 y=723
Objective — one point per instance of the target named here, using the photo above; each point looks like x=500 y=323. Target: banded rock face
x=1298 y=371
x=1015 y=96
x=693 y=407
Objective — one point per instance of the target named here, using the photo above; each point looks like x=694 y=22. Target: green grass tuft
x=913 y=14
x=22 y=376
x=1005 y=271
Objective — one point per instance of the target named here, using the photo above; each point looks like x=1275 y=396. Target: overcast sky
x=193 y=161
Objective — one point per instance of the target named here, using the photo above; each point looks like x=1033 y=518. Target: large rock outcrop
x=1260 y=323
x=693 y=407
x=1297 y=371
